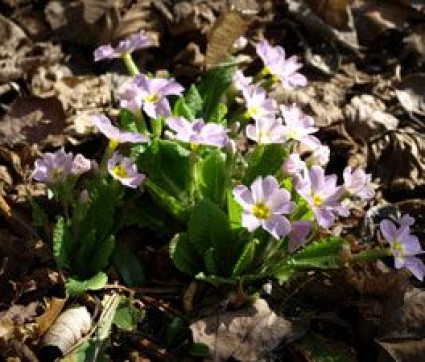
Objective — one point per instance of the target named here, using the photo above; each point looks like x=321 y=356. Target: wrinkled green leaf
x=209 y=228
x=246 y=258
x=213 y=176
x=75 y=287
x=103 y=253
x=59 y=244
x=215 y=83
x=265 y=160
x=318 y=349
x=322 y=254
x=128 y=266
x=167 y=164
x=183 y=255
x=127 y=316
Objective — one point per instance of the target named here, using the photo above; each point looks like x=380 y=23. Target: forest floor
x=365 y=61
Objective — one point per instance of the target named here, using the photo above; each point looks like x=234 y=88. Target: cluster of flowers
x=265 y=204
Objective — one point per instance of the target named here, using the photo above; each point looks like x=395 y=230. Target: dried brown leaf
x=397 y=159
x=403 y=327
x=373 y=17
x=227 y=29
x=31 y=120
x=411 y=93
x=248 y=334
x=366 y=117
x=334 y=12
x=53 y=310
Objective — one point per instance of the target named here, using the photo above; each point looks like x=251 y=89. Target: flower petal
x=277 y=225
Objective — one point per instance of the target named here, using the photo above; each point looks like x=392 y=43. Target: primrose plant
x=234 y=213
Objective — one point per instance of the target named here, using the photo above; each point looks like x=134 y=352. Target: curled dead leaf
x=68 y=329
x=398 y=160
x=366 y=117
x=411 y=93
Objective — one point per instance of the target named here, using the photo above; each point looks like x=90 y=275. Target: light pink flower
x=266 y=131
x=285 y=69
x=358 y=183
x=264 y=204
x=125 y=171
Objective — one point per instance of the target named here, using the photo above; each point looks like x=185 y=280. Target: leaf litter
x=367 y=98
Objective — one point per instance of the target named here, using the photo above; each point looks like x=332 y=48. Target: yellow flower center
x=253 y=111
x=293 y=134
x=399 y=248
x=56 y=173
x=261 y=211
x=113 y=144
x=317 y=200
x=152 y=98
x=119 y=171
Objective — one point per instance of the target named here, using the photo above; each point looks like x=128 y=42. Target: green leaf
x=246 y=258
x=167 y=164
x=128 y=120
x=60 y=244
x=265 y=160
x=219 y=113
x=209 y=228
x=38 y=216
x=215 y=83
x=199 y=350
x=319 y=349
x=194 y=101
x=322 y=254
x=144 y=214
x=184 y=256
x=283 y=273
x=181 y=109
x=216 y=280
x=209 y=261
x=177 y=331
x=76 y=287
x=234 y=211
x=102 y=254
x=166 y=201
x=127 y=316
x=128 y=266
x=213 y=176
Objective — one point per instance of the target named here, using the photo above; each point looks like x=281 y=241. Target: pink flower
x=264 y=204
x=258 y=105
x=54 y=168
x=125 y=171
x=275 y=63
x=322 y=194
x=266 y=131
x=298 y=234
x=404 y=246
x=197 y=132
x=358 y=183
x=132 y=43
x=114 y=134
x=298 y=126
x=293 y=165
x=151 y=95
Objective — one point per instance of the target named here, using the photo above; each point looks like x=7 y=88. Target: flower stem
x=129 y=63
